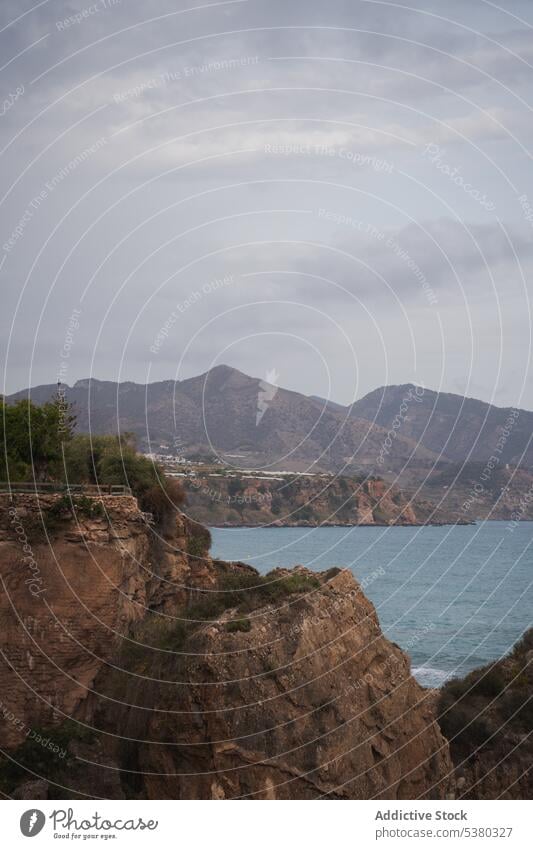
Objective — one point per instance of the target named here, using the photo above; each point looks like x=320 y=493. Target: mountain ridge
x=217 y=412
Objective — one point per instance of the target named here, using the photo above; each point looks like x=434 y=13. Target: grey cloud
x=297 y=107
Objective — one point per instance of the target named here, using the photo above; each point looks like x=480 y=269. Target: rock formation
x=303 y=698
x=72 y=585
x=160 y=673
x=233 y=500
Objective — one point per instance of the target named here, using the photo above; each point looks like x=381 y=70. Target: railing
x=64 y=488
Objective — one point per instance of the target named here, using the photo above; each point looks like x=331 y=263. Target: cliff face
x=480 y=491
x=71 y=586
x=290 y=691
x=319 y=500
x=306 y=699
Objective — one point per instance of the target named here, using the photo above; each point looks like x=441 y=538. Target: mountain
x=467 y=457
x=331 y=405
x=456 y=428
x=243 y=420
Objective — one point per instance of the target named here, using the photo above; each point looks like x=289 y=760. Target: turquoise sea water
x=453 y=597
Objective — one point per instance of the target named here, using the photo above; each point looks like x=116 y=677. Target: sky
x=339 y=194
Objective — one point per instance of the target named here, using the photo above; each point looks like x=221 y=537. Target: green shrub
x=199 y=539
x=35 y=755
x=162 y=499
x=238 y=625
x=462 y=723
x=32 y=438
x=490 y=682
x=114 y=461
x=70 y=505
x=247 y=592
x=487 y=682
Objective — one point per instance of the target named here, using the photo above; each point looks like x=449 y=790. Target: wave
x=428 y=676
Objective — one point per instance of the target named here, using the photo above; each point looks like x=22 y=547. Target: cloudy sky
x=339 y=192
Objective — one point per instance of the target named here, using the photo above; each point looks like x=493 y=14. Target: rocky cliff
x=480 y=491
x=75 y=577
x=298 y=698
x=234 y=500
x=134 y=666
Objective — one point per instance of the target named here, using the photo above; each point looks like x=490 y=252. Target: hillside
x=473 y=491
x=459 y=429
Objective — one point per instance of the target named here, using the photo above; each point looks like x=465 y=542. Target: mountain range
x=250 y=423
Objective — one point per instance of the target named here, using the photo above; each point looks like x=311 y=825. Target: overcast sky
x=338 y=192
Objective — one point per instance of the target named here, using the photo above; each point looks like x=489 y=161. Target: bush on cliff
x=247 y=592
x=198 y=539
x=491 y=704
x=114 y=460
x=38 y=443
x=32 y=439
x=43 y=754
x=74 y=506
x=243 y=591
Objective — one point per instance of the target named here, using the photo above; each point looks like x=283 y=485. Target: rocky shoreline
x=308 y=501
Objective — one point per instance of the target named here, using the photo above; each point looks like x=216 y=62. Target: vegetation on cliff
x=31 y=439
x=488 y=718
x=238 y=588
x=46 y=753
x=38 y=443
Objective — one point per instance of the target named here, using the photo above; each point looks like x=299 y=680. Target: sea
x=454 y=597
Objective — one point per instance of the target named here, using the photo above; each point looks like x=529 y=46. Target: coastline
x=276 y=526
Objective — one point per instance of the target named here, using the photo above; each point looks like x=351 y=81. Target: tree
x=32 y=438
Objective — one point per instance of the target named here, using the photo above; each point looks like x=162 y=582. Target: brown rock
x=312 y=701
x=68 y=596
